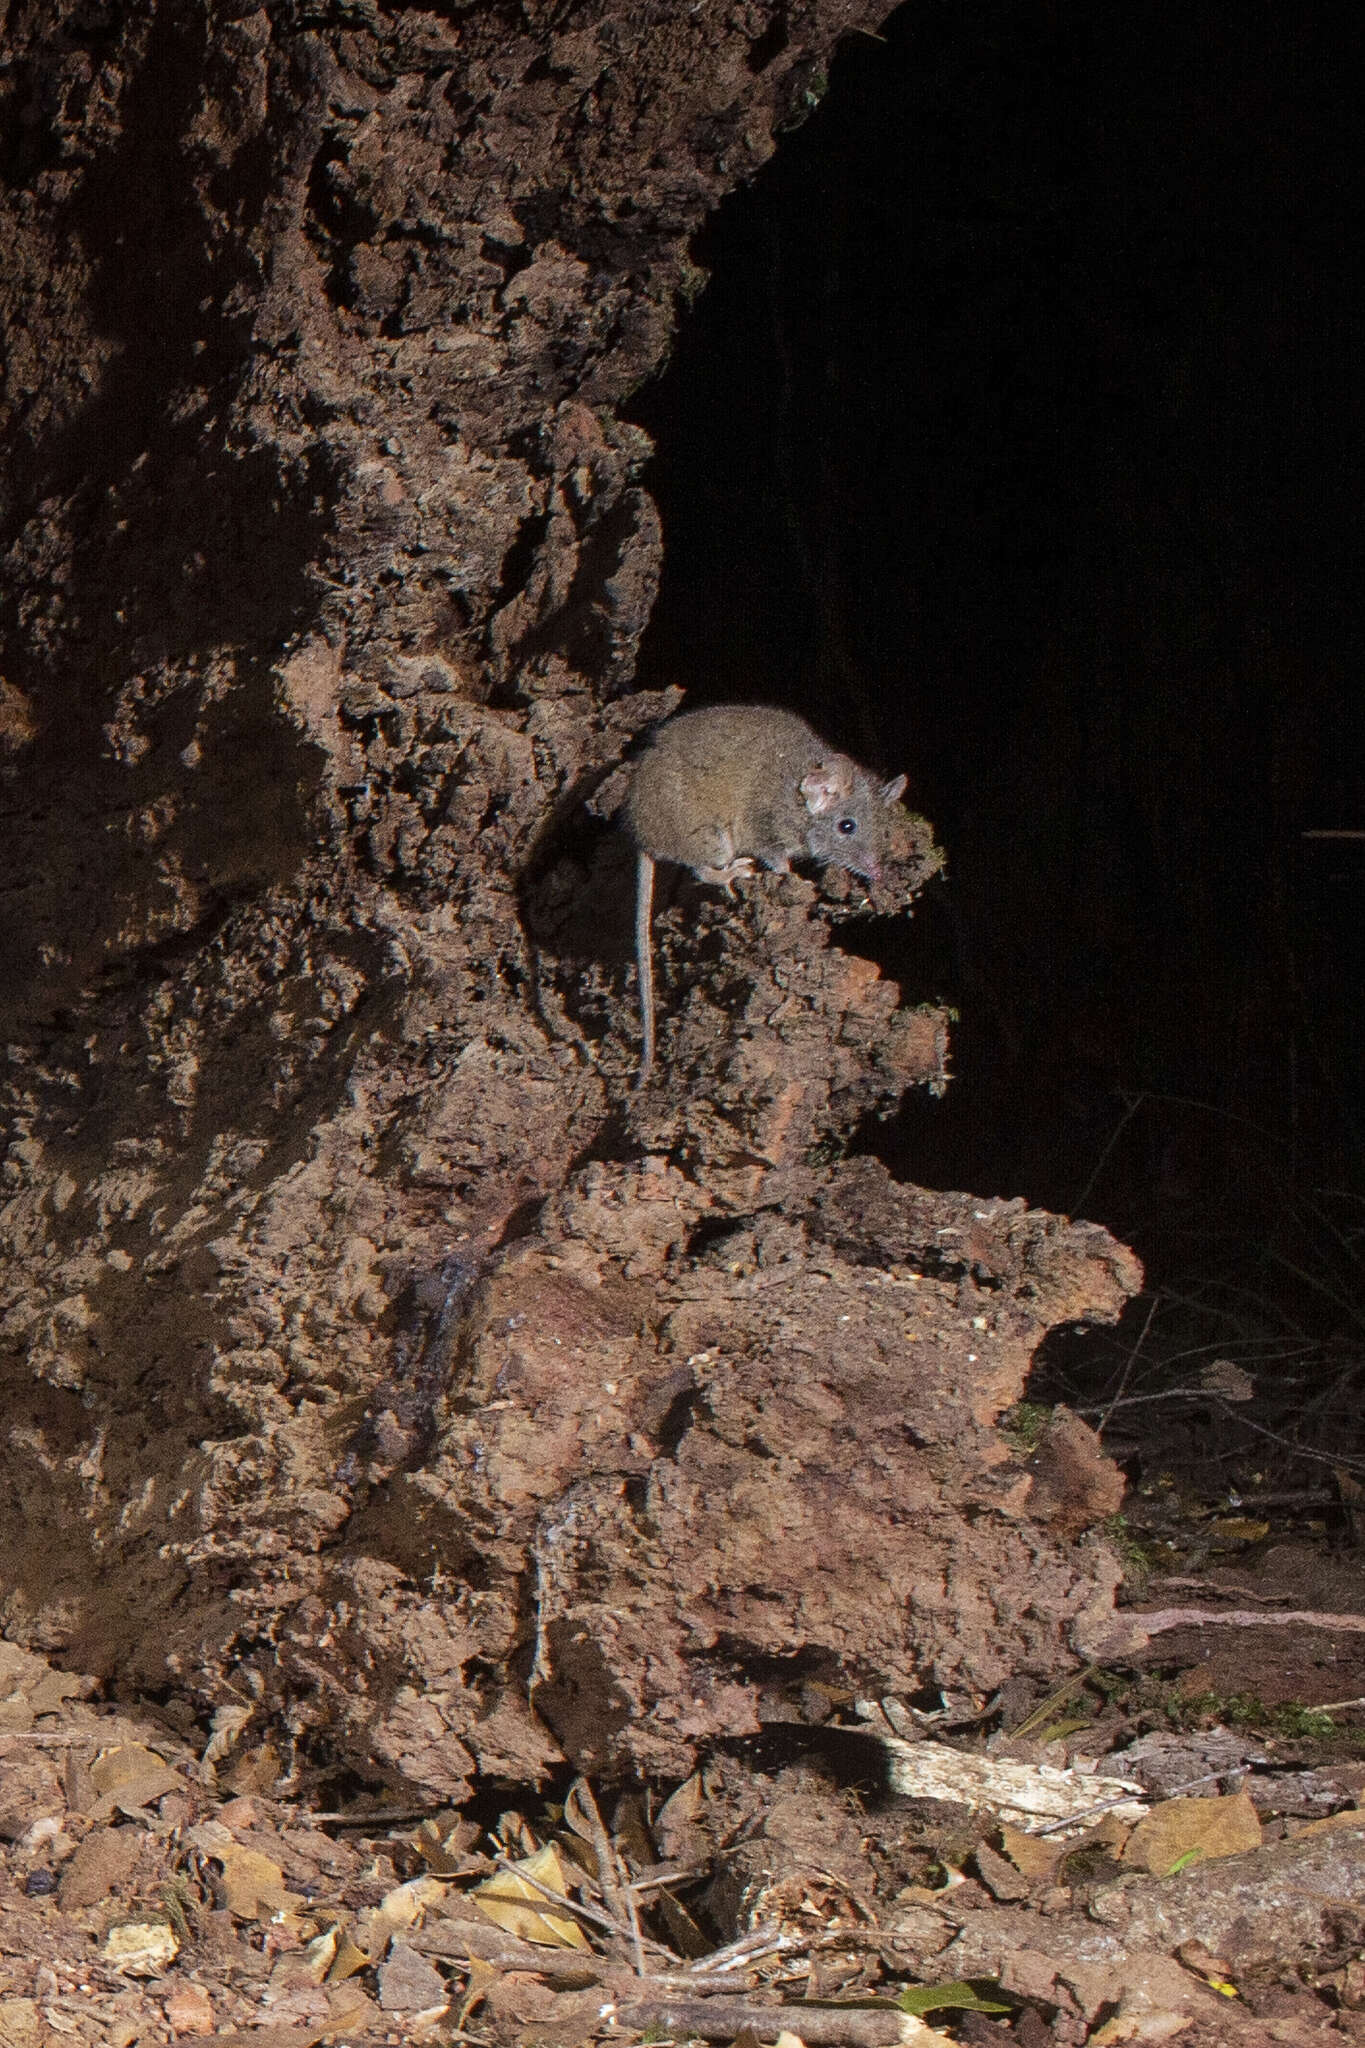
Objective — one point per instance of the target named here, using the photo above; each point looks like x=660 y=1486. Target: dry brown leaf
x=113 y=1769
x=631 y=1836
x=1036 y=1859
x=406 y=1903
x=515 y=1832
x=129 y=1778
x=52 y=1689
x=1330 y=1822
x=536 y=1920
x=1109 y=1832
x=684 y=1803
x=449 y=1854
x=253 y=1884
x=348 y=1958
x=1180 y=1832
x=1239 y=1529
x=585 y=1822
x=479 y=1978
x=396 y=1912
x=309 y=1965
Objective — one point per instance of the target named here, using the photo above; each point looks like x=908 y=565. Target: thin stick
x=1336 y=1459
x=655 y=1880
x=636 y=1936
x=738 y=1955
x=723 y=2019
x=1129 y=1363
x=389 y=1817
x=1238 y=1617
x=644 y=959
x=1120 y=1127
x=611 y=1876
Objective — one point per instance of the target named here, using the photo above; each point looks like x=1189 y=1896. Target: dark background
x=1016 y=440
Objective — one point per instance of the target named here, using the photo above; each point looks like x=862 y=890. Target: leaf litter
x=976 y=1896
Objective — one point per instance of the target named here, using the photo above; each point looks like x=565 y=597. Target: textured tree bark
x=365 y=1352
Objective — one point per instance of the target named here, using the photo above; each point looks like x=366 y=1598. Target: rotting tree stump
x=367 y=1352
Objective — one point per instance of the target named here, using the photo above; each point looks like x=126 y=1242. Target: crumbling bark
x=334 y=1373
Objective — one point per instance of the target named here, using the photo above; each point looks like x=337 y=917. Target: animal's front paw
x=726 y=877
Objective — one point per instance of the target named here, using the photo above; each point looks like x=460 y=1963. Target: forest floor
x=882 y=1873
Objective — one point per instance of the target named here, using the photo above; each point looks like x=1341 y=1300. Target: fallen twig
x=744 y=1953
x=667 y=1873
x=827 y=2026
x=612 y=1876
x=1238 y=1617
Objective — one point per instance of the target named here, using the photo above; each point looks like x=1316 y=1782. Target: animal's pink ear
x=892 y=792
x=829 y=783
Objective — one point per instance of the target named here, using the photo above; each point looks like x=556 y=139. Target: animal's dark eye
x=847 y=825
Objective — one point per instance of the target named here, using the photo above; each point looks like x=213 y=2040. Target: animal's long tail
x=644 y=959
